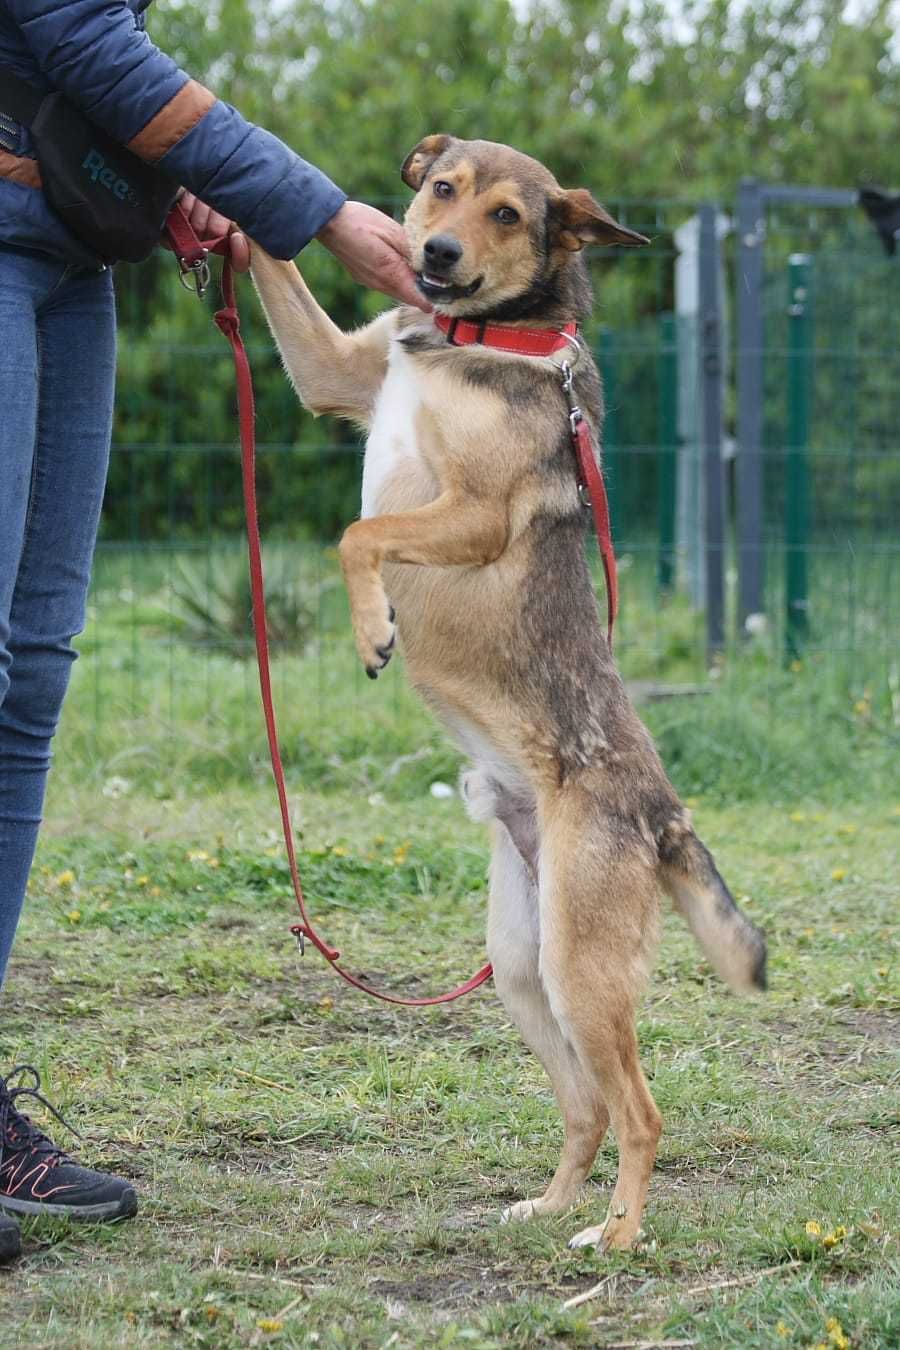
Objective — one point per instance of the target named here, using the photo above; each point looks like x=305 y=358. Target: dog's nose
x=442 y=251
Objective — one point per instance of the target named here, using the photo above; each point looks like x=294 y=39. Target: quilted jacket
x=98 y=54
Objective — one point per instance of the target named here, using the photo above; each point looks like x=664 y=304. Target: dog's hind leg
x=514 y=946
x=598 y=906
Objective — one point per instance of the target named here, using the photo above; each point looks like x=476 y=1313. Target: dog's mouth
x=439 y=288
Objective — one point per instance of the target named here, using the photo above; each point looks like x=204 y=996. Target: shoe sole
x=123 y=1208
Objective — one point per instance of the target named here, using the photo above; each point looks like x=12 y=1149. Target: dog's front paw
x=376 y=637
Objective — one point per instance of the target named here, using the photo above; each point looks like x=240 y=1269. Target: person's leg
x=58 y=451
x=25 y=280
x=58 y=377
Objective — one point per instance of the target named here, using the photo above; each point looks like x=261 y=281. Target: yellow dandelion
x=796 y=667
x=797 y=817
x=198 y=855
x=326 y=1004
x=838 y=874
x=882 y=971
x=782 y=1330
x=836 y=1334
x=270 y=1325
x=813 y=1229
x=861 y=707
x=379 y=838
x=74 y=916
x=847 y=829
x=339 y=851
x=66 y=878
x=214 y=862
x=156 y=890
x=143 y=881
x=833 y=1238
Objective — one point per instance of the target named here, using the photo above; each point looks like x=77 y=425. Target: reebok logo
x=101 y=173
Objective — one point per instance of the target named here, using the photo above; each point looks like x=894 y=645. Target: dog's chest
x=392 y=440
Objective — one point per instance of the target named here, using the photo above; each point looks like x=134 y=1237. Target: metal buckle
x=195 y=276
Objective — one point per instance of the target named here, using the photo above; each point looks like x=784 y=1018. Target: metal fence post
x=797 y=476
x=711 y=429
x=606 y=350
x=749 y=467
x=668 y=443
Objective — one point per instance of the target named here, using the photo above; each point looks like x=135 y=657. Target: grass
x=319 y=1170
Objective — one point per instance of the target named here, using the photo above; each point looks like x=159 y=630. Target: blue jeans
x=57 y=376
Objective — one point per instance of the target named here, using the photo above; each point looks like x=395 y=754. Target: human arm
x=93 y=51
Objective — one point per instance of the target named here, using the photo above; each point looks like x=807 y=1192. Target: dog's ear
x=420 y=159
x=579 y=220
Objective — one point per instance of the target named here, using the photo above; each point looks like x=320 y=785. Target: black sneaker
x=36 y=1177
x=10 y=1241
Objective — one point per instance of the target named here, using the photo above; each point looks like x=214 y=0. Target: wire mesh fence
x=169 y=636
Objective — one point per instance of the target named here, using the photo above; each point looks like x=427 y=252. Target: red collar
x=522 y=341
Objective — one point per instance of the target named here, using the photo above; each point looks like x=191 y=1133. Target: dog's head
x=493 y=234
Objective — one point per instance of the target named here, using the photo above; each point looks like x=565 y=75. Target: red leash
x=192 y=256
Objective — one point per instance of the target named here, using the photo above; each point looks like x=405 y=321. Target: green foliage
x=211 y=604
x=644 y=99
x=641 y=102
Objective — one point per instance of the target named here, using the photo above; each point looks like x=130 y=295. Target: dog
x=472 y=524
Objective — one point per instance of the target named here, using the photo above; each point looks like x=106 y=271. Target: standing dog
x=472 y=523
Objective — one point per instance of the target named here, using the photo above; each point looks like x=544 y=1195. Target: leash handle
x=191 y=254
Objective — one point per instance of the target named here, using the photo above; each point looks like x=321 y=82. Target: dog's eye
x=442 y=188
x=506 y=215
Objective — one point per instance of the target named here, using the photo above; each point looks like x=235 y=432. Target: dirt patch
x=466 y=1287
x=882 y=1028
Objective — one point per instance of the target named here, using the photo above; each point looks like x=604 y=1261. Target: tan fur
x=475 y=532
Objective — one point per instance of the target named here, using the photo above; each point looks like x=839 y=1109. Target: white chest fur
x=392 y=437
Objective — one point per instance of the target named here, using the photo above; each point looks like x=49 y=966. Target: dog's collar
x=521 y=341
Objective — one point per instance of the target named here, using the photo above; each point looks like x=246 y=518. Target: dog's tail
x=735 y=947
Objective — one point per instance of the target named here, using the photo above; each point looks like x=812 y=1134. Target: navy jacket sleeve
x=95 y=53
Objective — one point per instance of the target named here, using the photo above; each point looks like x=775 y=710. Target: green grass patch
x=319 y=1170
x=316 y=1169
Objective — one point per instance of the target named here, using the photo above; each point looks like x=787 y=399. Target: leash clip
x=568 y=384
x=299 y=934
x=568 y=377
x=195 y=276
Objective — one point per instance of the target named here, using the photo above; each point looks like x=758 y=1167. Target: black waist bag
x=111 y=200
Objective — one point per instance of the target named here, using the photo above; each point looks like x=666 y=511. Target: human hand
x=374 y=250
x=208 y=224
